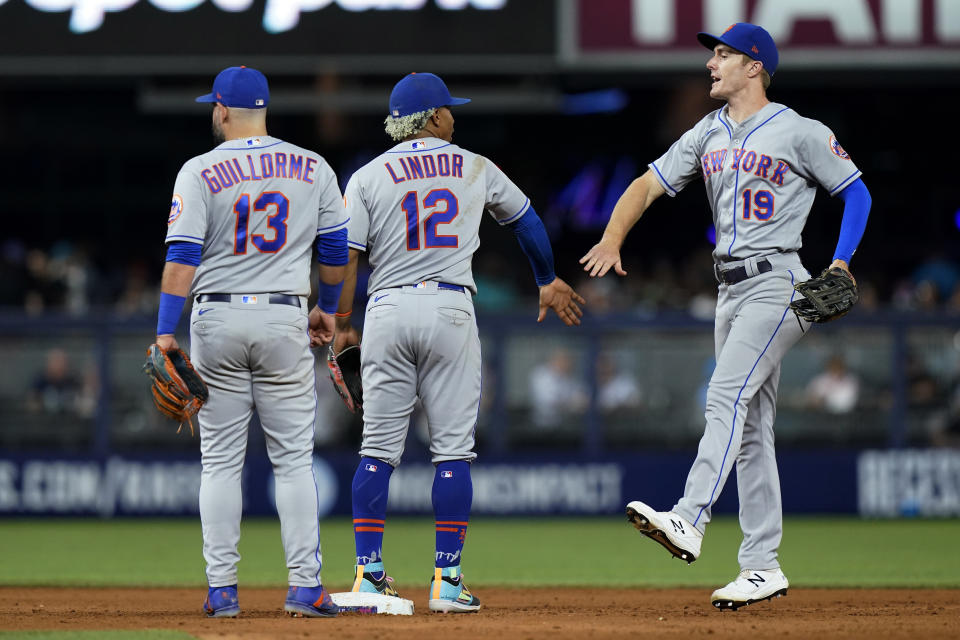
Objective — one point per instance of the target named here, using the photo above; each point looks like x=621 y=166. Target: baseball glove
x=345 y=374
x=827 y=297
x=178 y=390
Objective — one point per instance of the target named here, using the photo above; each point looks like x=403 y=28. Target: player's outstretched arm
x=560 y=297
x=606 y=254
x=554 y=293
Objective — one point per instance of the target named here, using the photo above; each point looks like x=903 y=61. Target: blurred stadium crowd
x=66 y=277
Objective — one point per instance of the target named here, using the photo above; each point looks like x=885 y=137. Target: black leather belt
x=275 y=298
x=442 y=285
x=739 y=274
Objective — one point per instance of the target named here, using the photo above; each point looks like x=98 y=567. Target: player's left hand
x=321 y=327
x=560 y=297
x=842 y=264
x=347 y=336
x=167 y=342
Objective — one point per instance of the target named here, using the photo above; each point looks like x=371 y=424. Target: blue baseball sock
x=452 y=498
x=371 y=483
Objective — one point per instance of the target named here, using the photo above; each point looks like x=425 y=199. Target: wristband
x=168 y=316
x=329 y=296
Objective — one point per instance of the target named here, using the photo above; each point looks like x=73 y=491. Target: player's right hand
x=346 y=337
x=601 y=257
x=560 y=297
x=321 y=327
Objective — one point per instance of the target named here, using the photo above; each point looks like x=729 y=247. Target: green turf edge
x=534 y=552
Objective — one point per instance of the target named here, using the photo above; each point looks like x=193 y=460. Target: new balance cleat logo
x=677 y=526
x=756 y=580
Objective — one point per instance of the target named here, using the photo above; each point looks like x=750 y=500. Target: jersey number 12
x=433 y=200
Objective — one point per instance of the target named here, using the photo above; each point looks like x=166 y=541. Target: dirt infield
x=508 y=613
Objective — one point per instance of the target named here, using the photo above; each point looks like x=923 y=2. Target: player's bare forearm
x=629 y=208
x=345 y=307
x=346 y=335
x=561 y=297
x=331 y=274
x=177 y=278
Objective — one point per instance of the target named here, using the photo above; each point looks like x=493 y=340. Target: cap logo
x=219 y=97
x=396 y=113
x=259 y=101
x=755 y=50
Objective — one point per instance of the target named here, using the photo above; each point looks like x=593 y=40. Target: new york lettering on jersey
x=759 y=164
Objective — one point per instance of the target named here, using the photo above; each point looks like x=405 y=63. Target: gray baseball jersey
x=760 y=179
x=761 y=176
x=255 y=205
x=416 y=210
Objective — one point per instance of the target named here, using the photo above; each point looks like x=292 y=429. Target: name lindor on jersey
x=761 y=165
x=268 y=165
x=419 y=167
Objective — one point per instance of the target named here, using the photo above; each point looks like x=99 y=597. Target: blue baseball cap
x=239 y=87
x=420 y=92
x=749 y=39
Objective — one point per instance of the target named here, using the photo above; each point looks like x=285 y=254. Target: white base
x=350 y=602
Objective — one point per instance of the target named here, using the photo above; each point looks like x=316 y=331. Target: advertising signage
x=332 y=28
x=809 y=33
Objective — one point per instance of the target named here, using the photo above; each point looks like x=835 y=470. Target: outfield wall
x=873 y=483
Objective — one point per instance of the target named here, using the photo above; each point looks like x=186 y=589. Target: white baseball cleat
x=674 y=532
x=749 y=587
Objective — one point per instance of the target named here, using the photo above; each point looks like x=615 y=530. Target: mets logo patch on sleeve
x=837 y=149
x=176 y=208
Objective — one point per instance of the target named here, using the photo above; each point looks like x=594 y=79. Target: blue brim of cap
x=207 y=98
x=455 y=101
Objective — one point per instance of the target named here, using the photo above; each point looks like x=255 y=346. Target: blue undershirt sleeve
x=332 y=248
x=183 y=252
x=532 y=236
x=856 y=209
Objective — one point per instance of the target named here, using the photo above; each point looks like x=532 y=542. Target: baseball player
x=761 y=163
x=417 y=209
x=243 y=224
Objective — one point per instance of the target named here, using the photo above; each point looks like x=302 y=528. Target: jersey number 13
x=276 y=206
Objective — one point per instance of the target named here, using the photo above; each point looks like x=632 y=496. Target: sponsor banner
x=529 y=485
x=808 y=33
x=910 y=482
x=519 y=488
x=91 y=487
x=267 y=33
